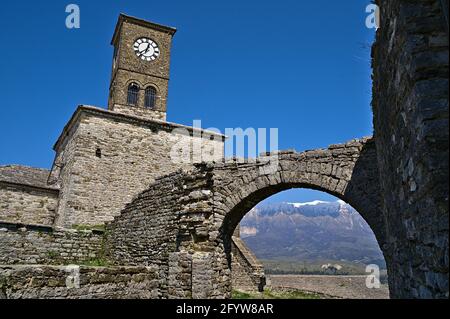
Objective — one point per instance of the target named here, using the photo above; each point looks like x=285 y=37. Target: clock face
x=146 y=49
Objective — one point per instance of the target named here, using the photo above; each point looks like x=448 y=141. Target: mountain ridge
x=312 y=231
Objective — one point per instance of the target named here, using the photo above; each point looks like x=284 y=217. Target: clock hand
x=145 y=50
x=148 y=48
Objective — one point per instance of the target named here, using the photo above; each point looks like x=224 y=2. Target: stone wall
x=47 y=282
x=410 y=103
x=141 y=111
x=27 y=244
x=186 y=220
x=146 y=231
x=28 y=205
x=105 y=159
x=247 y=273
x=182 y=225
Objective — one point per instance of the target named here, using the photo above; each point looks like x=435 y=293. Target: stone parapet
x=40 y=244
x=74 y=282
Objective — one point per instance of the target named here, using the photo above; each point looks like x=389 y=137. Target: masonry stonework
x=104 y=159
x=25 y=196
x=128 y=68
x=170 y=225
x=56 y=282
x=26 y=245
x=206 y=203
x=410 y=104
x=247 y=271
x=27 y=205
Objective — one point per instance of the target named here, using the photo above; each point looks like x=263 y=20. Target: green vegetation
x=101 y=260
x=53 y=254
x=96 y=262
x=236 y=294
x=273 y=294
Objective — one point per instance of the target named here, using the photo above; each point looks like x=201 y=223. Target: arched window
x=133 y=94
x=150 y=97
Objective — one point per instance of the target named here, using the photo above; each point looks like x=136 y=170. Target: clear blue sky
x=300 y=66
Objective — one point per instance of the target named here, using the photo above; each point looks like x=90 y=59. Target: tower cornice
x=126 y=18
x=152 y=124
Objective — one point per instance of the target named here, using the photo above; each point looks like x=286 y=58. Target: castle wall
x=21 y=244
x=28 y=205
x=147 y=228
x=247 y=273
x=56 y=282
x=410 y=104
x=180 y=226
x=62 y=172
x=148 y=231
x=106 y=162
x=185 y=221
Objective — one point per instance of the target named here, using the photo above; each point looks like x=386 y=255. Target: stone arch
x=347 y=171
x=130 y=81
x=184 y=221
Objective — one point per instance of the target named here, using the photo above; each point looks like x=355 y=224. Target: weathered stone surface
x=56 y=282
x=410 y=104
x=26 y=244
x=186 y=220
x=28 y=205
x=109 y=158
x=247 y=271
x=128 y=68
x=146 y=232
x=26 y=197
x=24 y=175
x=182 y=224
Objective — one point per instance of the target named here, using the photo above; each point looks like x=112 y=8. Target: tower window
x=150 y=97
x=133 y=94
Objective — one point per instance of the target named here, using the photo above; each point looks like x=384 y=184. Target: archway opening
x=305 y=243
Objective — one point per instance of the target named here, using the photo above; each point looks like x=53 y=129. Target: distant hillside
x=310 y=232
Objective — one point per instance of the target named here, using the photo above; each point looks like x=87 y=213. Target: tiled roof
x=25 y=175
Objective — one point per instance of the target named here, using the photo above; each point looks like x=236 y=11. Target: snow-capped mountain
x=311 y=231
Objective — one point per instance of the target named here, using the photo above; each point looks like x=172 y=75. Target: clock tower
x=140 y=71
